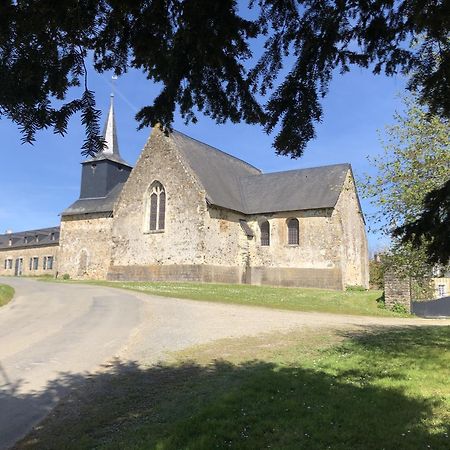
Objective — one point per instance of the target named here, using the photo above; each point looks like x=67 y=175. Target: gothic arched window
x=292 y=231
x=265 y=233
x=157 y=207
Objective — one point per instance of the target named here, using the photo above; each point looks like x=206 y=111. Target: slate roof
x=234 y=184
x=312 y=188
x=24 y=239
x=218 y=172
x=94 y=205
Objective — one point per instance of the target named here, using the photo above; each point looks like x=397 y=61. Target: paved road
x=54 y=332
x=50 y=329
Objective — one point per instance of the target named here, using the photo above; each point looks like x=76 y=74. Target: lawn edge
x=111 y=284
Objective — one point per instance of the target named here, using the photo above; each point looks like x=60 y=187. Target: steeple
x=105 y=170
x=111 y=150
x=110 y=133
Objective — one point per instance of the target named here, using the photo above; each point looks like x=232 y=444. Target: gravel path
x=175 y=324
x=51 y=329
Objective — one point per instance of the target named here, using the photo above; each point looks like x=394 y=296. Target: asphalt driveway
x=50 y=330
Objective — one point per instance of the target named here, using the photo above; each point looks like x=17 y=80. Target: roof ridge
x=14 y=233
x=218 y=150
x=298 y=170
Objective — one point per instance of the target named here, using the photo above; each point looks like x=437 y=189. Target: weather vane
x=113 y=85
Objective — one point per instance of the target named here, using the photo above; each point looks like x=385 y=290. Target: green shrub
x=66 y=276
x=380 y=301
x=376 y=274
x=355 y=288
x=399 y=308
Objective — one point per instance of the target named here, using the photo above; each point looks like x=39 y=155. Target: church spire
x=111 y=149
x=110 y=133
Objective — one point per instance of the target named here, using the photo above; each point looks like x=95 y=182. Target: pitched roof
x=94 y=205
x=21 y=239
x=312 y=188
x=234 y=184
x=218 y=172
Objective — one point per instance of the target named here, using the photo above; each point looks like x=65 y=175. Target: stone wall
x=352 y=236
x=177 y=272
x=197 y=234
x=315 y=262
x=26 y=254
x=85 y=245
x=182 y=240
x=397 y=290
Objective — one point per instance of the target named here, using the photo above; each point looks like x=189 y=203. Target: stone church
x=188 y=211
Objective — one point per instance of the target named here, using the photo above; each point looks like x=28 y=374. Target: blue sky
x=39 y=181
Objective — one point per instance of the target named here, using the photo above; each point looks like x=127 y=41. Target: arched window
x=157 y=207
x=292 y=231
x=265 y=233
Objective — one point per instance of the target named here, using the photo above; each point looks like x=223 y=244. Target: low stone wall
x=178 y=272
x=397 y=291
x=296 y=277
x=275 y=276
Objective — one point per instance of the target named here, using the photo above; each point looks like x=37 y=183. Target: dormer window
x=25 y=239
x=10 y=242
x=36 y=238
x=52 y=236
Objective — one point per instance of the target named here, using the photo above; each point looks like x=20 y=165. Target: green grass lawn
x=298 y=299
x=6 y=294
x=384 y=389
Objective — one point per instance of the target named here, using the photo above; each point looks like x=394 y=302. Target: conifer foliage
x=201 y=53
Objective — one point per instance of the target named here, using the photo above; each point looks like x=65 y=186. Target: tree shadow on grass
x=253 y=405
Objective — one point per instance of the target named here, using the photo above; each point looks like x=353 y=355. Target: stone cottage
x=188 y=211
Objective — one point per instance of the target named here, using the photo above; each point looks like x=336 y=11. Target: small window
x=441 y=290
x=293 y=232
x=265 y=233
x=35 y=263
x=10 y=264
x=49 y=262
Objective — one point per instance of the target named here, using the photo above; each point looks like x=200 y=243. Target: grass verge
x=6 y=294
x=384 y=389
x=296 y=299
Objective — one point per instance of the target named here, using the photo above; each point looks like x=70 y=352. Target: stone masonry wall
x=26 y=254
x=353 y=238
x=85 y=246
x=397 y=290
x=181 y=242
x=314 y=262
x=206 y=243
